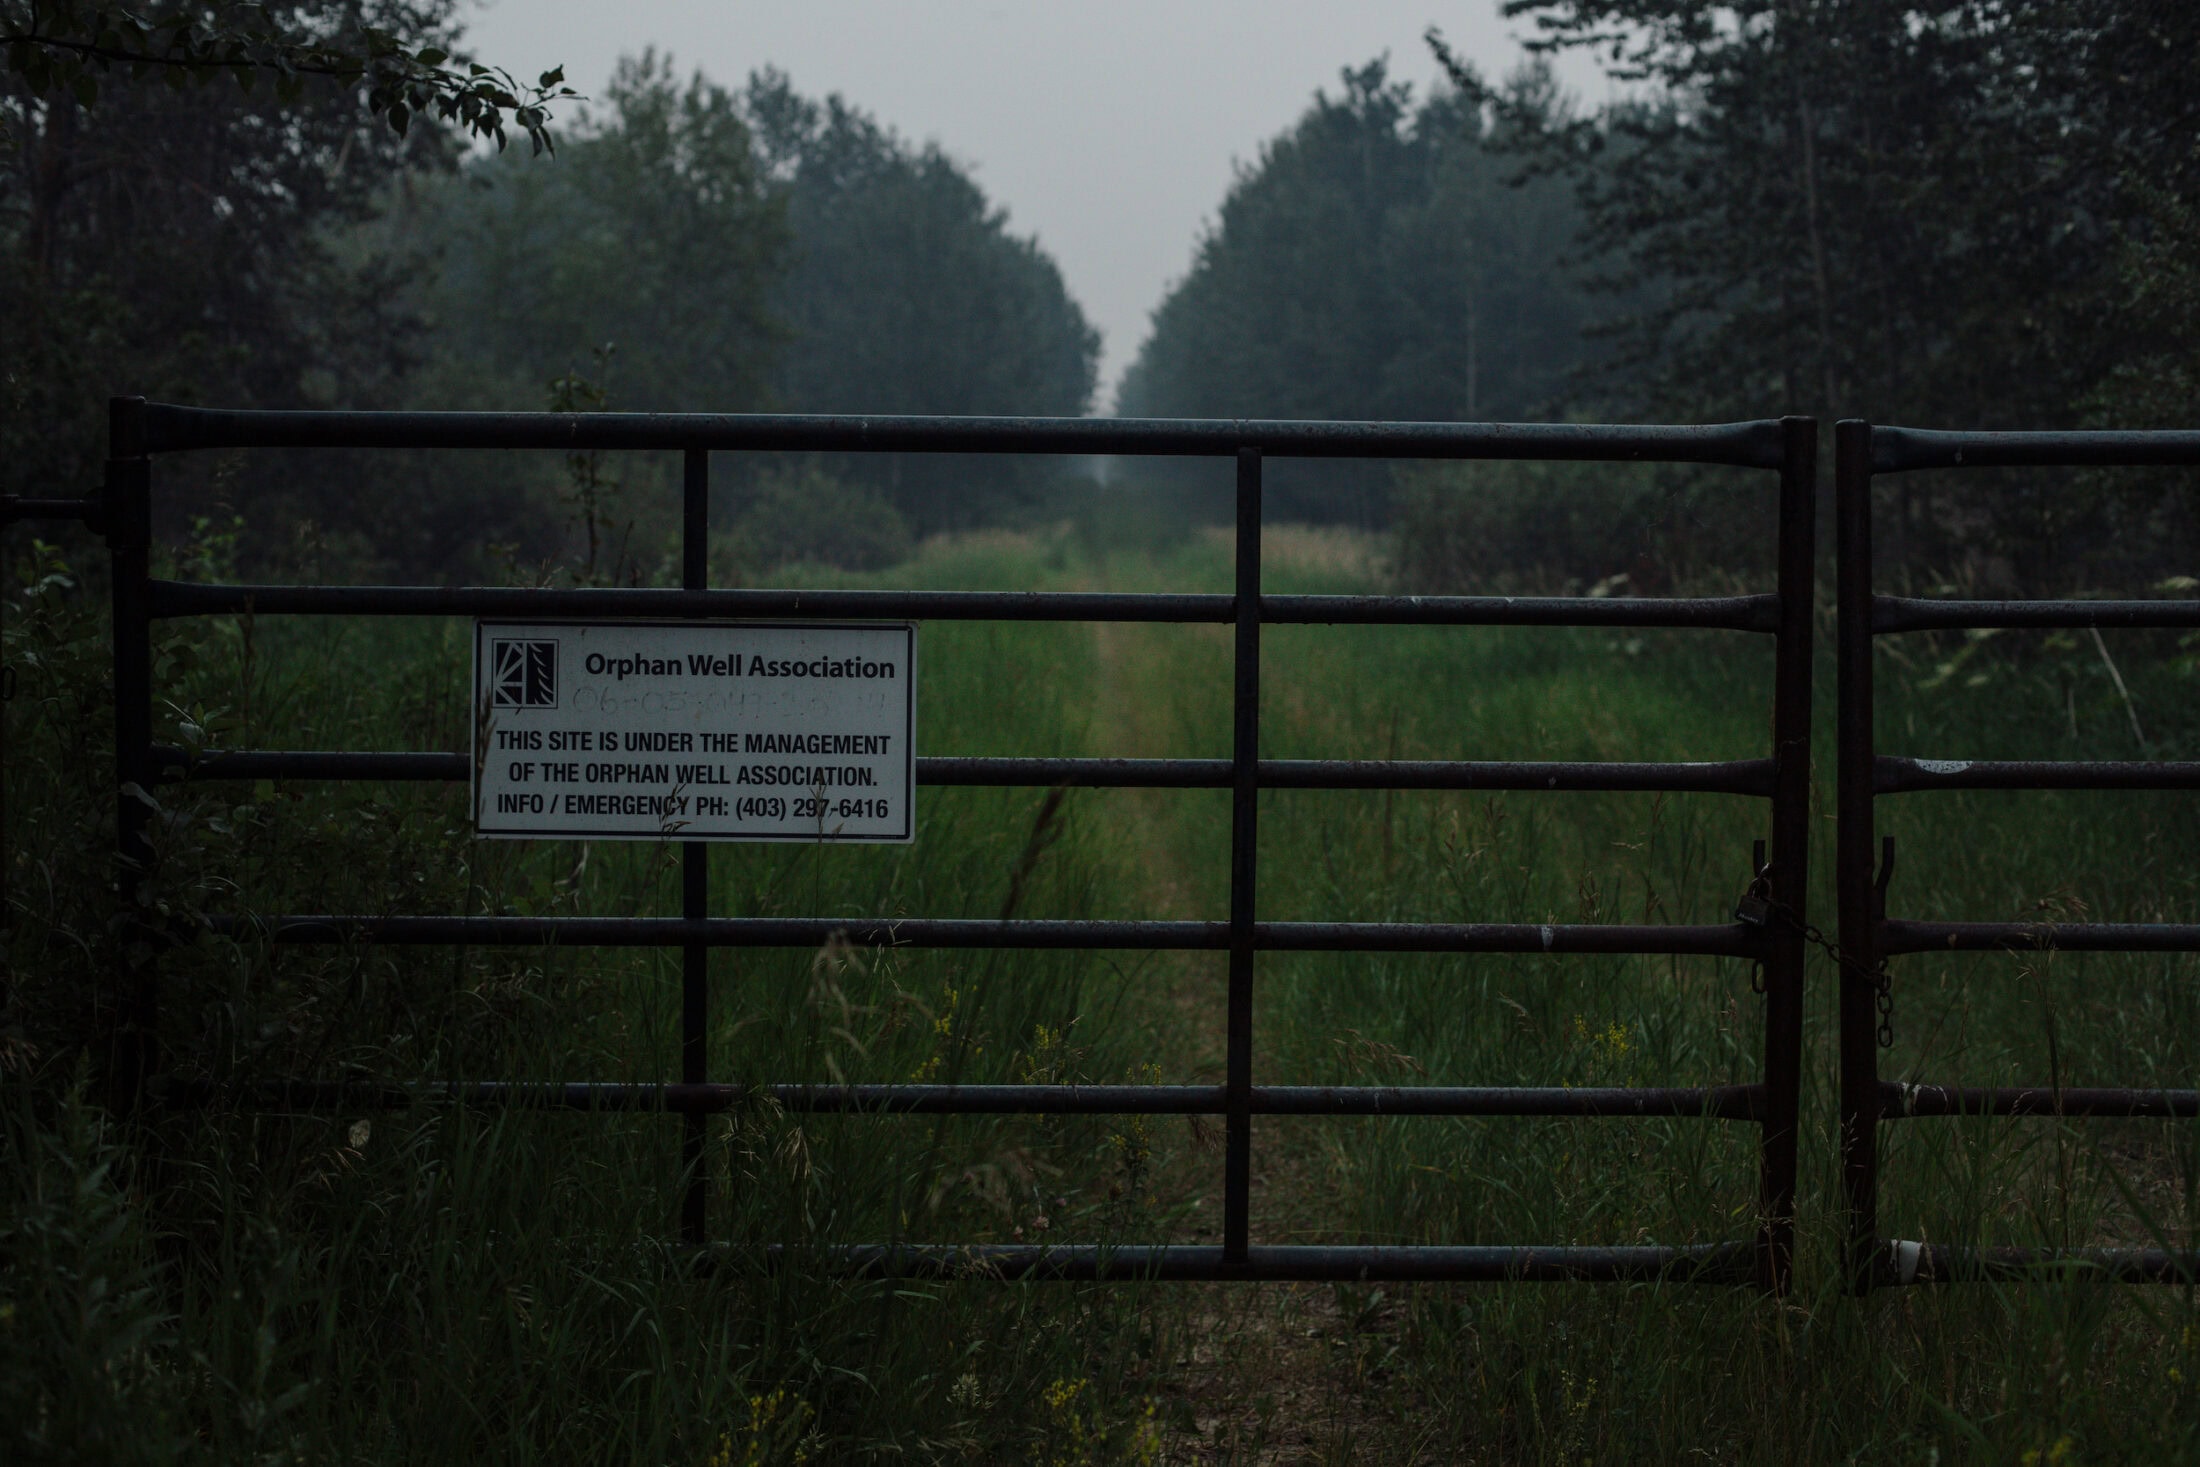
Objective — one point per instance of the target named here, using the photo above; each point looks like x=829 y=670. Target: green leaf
x=400 y=118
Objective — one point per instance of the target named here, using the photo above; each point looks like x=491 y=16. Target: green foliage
x=1934 y=213
x=1500 y=528
x=55 y=643
x=908 y=294
x=431 y=1285
x=2159 y=270
x=755 y=251
x=69 y=46
x=211 y=1285
x=183 y=245
x=2065 y=1371
x=653 y=231
x=1864 y=208
x=594 y=494
x=805 y=516
x=265 y=249
x=1838 y=203
x=1377 y=262
x=87 y=1339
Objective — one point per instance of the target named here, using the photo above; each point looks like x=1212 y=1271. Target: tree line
x=1972 y=215
x=1969 y=215
x=1378 y=261
x=689 y=246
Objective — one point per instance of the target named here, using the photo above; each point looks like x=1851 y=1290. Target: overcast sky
x=1107 y=128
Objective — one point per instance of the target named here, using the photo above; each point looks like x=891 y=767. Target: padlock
x=1753 y=910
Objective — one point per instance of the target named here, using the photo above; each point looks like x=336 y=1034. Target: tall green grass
x=443 y=1286
x=2076 y=1370
x=430 y=1285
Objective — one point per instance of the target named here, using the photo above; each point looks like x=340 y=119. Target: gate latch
x=1755 y=907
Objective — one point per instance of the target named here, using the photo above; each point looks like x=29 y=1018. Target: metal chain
x=1758 y=907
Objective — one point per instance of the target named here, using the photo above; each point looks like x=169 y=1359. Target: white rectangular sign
x=694 y=730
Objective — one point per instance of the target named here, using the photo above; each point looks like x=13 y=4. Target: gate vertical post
x=1791 y=700
x=127 y=517
x=694 y=891
x=1244 y=830
x=1852 y=501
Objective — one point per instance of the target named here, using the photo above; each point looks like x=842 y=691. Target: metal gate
x=143 y=432
x=1869 y=938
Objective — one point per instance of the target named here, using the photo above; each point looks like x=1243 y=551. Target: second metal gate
x=1870 y=939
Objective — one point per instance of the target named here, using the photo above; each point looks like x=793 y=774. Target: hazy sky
x=1108 y=128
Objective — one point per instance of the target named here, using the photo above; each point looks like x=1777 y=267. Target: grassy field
x=433 y=1286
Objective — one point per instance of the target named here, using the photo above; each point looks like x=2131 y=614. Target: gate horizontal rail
x=1895 y=450
x=1735 y=777
x=1731 y=613
x=1898 y=936
x=1864 y=865
x=1727 y=1102
x=1900 y=1101
x=1786 y=448
x=1733 y=940
x=1919 y=614
x=164 y=428
x=15 y=507
x=1714 y=1263
x=1892 y=776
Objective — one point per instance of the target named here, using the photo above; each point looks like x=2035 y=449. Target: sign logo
x=524 y=674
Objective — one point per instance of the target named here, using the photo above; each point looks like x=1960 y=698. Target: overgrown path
x=1273 y=1373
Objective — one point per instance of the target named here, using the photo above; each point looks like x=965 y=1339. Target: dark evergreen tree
x=1377 y=262
x=907 y=293
x=758 y=251
x=1872 y=208
x=177 y=242
x=653 y=232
